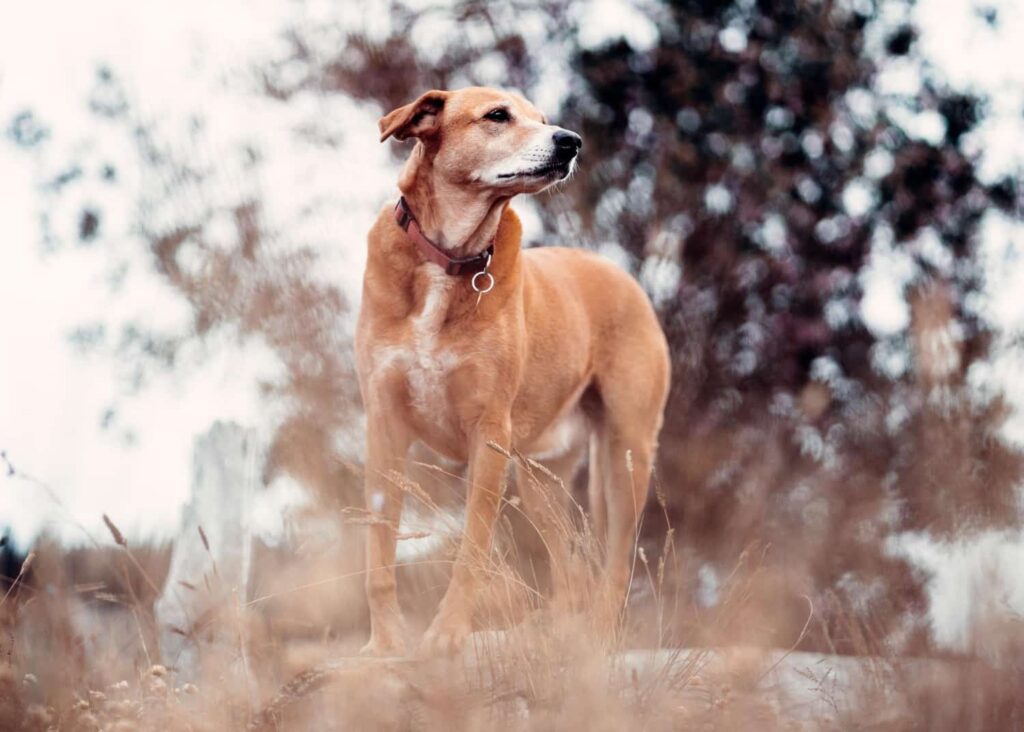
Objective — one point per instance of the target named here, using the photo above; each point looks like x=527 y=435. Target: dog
x=466 y=343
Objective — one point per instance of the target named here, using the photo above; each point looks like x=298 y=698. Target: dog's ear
x=418 y=119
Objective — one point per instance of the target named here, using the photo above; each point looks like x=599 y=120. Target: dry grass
x=80 y=645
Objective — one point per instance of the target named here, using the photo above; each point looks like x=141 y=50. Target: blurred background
x=822 y=198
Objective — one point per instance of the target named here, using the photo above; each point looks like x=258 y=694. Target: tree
x=750 y=168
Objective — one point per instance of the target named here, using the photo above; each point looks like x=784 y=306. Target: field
x=82 y=644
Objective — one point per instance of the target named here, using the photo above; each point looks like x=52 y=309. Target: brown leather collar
x=430 y=250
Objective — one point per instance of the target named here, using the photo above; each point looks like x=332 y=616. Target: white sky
x=174 y=59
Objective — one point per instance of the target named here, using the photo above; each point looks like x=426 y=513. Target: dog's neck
x=462 y=222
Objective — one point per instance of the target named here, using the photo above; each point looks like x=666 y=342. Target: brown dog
x=537 y=351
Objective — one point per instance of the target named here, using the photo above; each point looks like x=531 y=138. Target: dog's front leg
x=386 y=448
x=486 y=484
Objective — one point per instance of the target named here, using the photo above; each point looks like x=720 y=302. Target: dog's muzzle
x=567 y=145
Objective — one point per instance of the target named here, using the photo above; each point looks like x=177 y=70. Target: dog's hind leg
x=633 y=385
x=597 y=480
x=546 y=494
x=629 y=473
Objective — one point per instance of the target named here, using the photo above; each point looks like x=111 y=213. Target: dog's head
x=486 y=138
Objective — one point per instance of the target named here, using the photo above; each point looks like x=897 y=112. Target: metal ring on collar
x=477 y=288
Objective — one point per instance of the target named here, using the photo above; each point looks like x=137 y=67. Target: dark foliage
x=728 y=150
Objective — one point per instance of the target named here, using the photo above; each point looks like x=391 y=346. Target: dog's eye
x=498 y=115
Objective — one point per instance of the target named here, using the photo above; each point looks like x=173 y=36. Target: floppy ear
x=418 y=119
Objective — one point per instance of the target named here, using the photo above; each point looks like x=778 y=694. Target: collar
x=451 y=265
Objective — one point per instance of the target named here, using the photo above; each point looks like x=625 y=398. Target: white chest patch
x=425 y=364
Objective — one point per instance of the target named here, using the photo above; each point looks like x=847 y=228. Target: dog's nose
x=567 y=144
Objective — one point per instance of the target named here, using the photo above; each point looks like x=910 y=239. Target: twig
x=803 y=633
x=21 y=573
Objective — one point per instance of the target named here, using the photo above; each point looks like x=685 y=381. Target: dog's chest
x=421 y=357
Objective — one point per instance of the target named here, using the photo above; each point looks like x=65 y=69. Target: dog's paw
x=445 y=636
